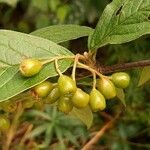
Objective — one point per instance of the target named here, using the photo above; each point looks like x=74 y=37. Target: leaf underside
x=14 y=47
x=122 y=21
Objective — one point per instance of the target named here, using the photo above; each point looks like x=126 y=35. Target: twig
x=100 y=133
x=122 y=67
x=13 y=127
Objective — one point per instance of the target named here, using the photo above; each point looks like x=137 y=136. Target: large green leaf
x=85 y=115
x=62 y=33
x=14 y=47
x=145 y=76
x=121 y=21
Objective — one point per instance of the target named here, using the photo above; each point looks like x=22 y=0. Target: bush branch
x=100 y=133
x=123 y=67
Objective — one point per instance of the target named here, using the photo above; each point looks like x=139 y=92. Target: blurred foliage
x=132 y=130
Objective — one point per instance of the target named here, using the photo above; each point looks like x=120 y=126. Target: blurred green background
x=132 y=130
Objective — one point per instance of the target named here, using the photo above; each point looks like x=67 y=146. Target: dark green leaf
x=122 y=21
x=62 y=33
x=15 y=47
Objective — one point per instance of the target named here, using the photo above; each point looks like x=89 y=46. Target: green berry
x=107 y=88
x=66 y=85
x=28 y=103
x=97 y=101
x=30 y=67
x=80 y=99
x=65 y=105
x=43 y=89
x=53 y=96
x=121 y=79
x=4 y=123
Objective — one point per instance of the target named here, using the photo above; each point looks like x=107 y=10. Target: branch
x=100 y=133
x=123 y=67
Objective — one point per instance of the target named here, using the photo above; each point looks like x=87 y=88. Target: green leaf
x=121 y=95
x=14 y=47
x=122 y=21
x=85 y=115
x=12 y=3
x=145 y=76
x=62 y=33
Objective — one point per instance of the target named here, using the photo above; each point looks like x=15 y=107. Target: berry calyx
x=97 y=101
x=80 y=99
x=4 y=123
x=53 y=96
x=30 y=67
x=66 y=85
x=106 y=87
x=43 y=89
x=120 y=79
x=65 y=105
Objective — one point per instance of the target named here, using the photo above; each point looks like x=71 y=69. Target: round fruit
x=121 y=79
x=30 y=67
x=80 y=99
x=97 y=101
x=66 y=85
x=65 y=105
x=9 y=106
x=53 y=96
x=43 y=89
x=4 y=123
x=28 y=103
x=106 y=87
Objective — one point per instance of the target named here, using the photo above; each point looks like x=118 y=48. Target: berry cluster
x=66 y=93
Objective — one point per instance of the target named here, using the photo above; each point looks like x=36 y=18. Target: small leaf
x=37 y=131
x=14 y=47
x=121 y=95
x=145 y=76
x=63 y=33
x=85 y=115
x=122 y=21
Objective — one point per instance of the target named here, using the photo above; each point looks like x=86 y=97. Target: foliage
x=121 y=22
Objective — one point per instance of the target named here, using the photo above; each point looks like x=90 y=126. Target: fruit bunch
x=66 y=93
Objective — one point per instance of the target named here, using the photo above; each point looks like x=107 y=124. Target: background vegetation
x=132 y=129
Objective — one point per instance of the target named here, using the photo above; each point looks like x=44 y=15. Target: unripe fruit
x=53 y=96
x=30 y=67
x=106 y=87
x=80 y=99
x=28 y=103
x=4 y=123
x=97 y=101
x=65 y=105
x=43 y=89
x=66 y=85
x=121 y=79
x=9 y=106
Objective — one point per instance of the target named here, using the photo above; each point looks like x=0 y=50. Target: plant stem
x=13 y=127
x=57 y=67
x=124 y=66
x=100 y=133
x=58 y=58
